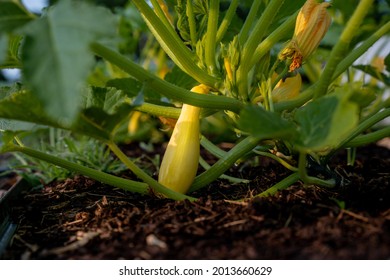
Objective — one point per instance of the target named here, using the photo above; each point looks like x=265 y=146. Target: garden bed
x=82 y=219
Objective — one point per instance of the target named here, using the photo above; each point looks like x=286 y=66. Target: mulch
x=82 y=219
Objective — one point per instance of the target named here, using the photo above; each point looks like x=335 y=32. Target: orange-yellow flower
x=287 y=89
x=180 y=162
x=312 y=23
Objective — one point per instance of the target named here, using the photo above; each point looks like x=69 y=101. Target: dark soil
x=82 y=219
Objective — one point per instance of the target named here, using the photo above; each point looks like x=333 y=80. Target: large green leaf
x=56 y=58
x=105 y=110
x=13 y=15
x=264 y=124
x=325 y=122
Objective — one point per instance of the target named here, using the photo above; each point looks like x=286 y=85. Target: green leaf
x=56 y=57
x=19 y=104
x=13 y=15
x=264 y=124
x=9 y=51
x=387 y=62
x=325 y=122
x=105 y=110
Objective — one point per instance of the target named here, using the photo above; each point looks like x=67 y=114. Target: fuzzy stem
x=341 y=46
x=145 y=177
x=191 y=22
x=369 y=137
x=125 y=184
x=166 y=88
x=279 y=33
x=252 y=43
x=282 y=185
x=210 y=147
x=226 y=21
x=244 y=33
x=364 y=125
x=225 y=163
x=231 y=179
x=211 y=34
x=357 y=52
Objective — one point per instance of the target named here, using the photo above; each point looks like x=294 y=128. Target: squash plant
x=280 y=71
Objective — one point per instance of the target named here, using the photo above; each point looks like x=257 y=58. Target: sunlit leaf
x=56 y=59
x=324 y=122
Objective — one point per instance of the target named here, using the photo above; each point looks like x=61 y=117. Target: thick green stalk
x=225 y=163
x=161 y=15
x=191 y=22
x=282 y=185
x=211 y=34
x=369 y=137
x=252 y=43
x=156 y=186
x=363 y=126
x=250 y=19
x=210 y=147
x=173 y=46
x=341 y=47
x=279 y=33
x=128 y=185
x=231 y=179
x=260 y=29
x=167 y=89
x=360 y=50
x=277 y=159
x=226 y=21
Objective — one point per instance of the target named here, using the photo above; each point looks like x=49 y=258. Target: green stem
x=168 y=112
x=210 y=147
x=231 y=179
x=369 y=137
x=278 y=159
x=357 y=52
x=173 y=46
x=341 y=47
x=161 y=15
x=165 y=88
x=364 y=125
x=225 y=163
x=259 y=30
x=125 y=184
x=226 y=21
x=211 y=34
x=246 y=28
x=145 y=177
x=250 y=46
x=279 y=33
x=192 y=23
x=282 y=185
x=309 y=179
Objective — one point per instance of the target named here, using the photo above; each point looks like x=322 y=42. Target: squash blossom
x=180 y=162
x=312 y=23
x=287 y=89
